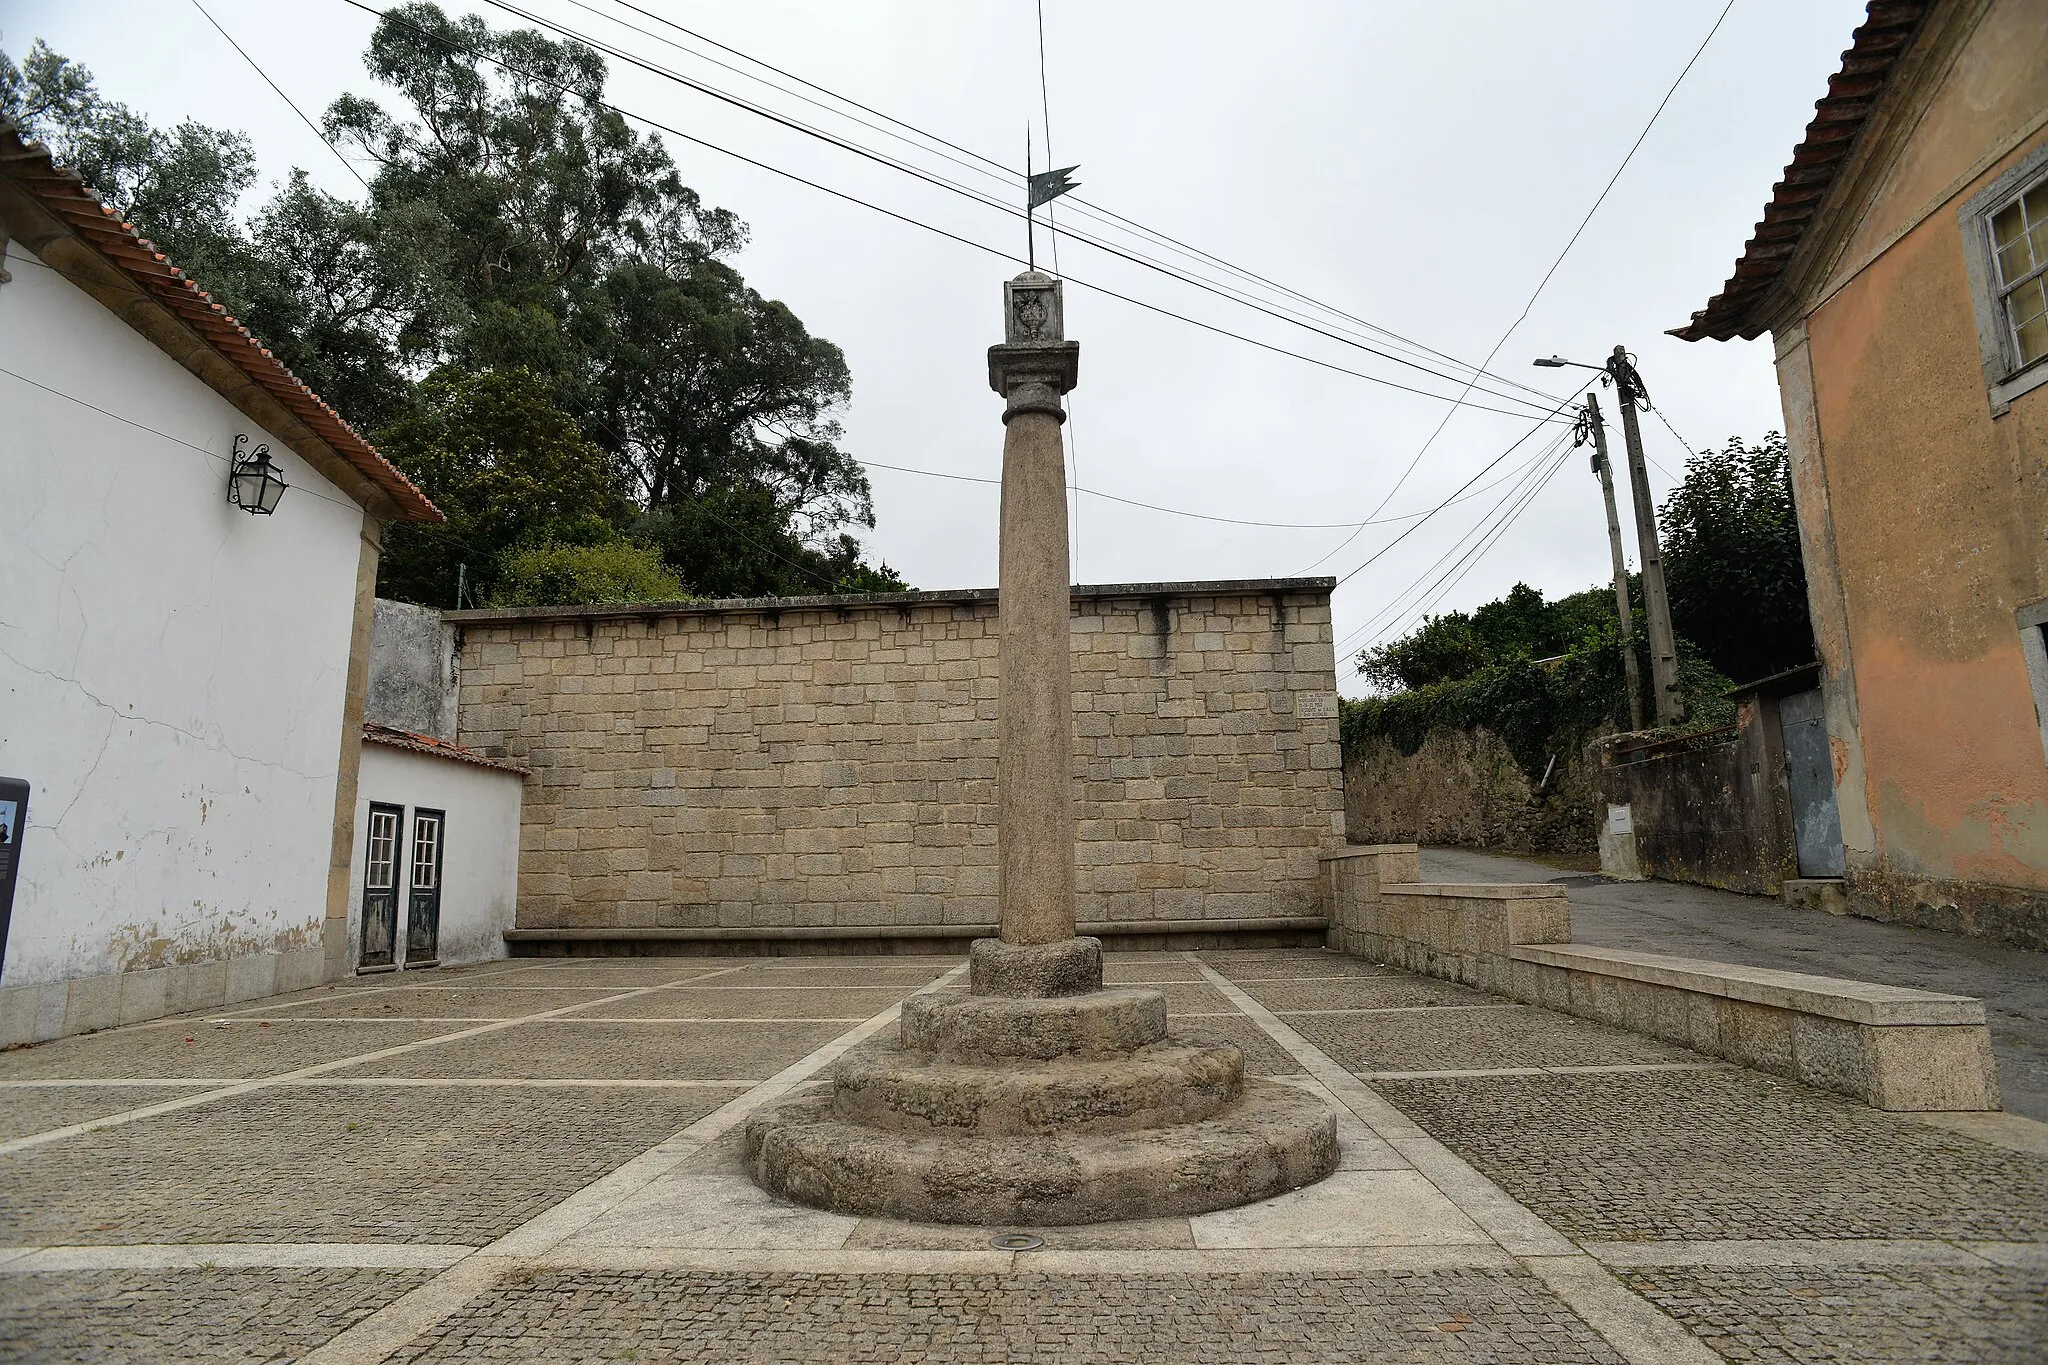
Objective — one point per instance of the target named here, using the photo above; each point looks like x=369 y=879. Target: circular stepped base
x=1154 y=1087
x=1039 y=1097
x=1273 y=1139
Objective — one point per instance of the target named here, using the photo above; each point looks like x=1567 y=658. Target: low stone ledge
x=1481 y=891
x=595 y=934
x=1892 y=1047
x=1857 y=1002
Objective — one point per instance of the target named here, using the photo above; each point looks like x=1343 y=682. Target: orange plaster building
x=1902 y=271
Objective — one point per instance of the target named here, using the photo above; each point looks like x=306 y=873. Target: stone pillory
x=1037 y=1096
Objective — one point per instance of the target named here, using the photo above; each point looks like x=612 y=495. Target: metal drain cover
x=1016 y=1241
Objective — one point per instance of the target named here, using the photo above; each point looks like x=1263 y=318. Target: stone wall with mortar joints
x=831 y=762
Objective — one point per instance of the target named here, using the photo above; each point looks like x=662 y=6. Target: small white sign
x=1620 y=820
x=1316 y=705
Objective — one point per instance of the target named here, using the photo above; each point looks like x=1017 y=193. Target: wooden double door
x=395 y=869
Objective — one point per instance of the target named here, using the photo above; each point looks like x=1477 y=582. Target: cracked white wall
x=172 y=669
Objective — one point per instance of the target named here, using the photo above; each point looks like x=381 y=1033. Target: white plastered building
x=181 y=682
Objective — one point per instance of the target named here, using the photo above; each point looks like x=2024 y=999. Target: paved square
x=537 y=1161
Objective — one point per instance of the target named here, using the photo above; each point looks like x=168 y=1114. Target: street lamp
x=255 y=485
x=1620 y=371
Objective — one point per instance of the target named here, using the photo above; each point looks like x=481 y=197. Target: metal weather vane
x=1041 y=187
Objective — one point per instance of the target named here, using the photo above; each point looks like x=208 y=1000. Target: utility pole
x=1605 y=470
x=1628 y=385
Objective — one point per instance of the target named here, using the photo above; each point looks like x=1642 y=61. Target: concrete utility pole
x=1605 y=469
x=1656 y=605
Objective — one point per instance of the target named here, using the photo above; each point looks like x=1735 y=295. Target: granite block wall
x=831 y=761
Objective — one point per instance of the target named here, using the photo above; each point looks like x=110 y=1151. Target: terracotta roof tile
x=64 y=195
x=392 y=737
x=1838 y=121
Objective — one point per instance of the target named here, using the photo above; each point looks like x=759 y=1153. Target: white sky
x=1418 y=166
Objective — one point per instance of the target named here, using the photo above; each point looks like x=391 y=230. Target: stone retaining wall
x=1890 y=1046
x=799 y=763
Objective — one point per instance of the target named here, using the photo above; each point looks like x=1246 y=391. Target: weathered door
x=423 y=911
x=1810 y=780
x=380 y=886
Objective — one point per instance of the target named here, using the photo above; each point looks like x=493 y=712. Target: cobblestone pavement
x=247 y=1317
x=1399 y=1319
x=1858 y=1313
x=1698 y=921
x=534 y=1161
x=1724 y=1154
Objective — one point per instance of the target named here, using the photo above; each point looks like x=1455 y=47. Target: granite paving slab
x=37 y=1109
x=1366 y=993
x=1292 y=964
x=329 y=1164
x=223 y=1317
x=1729 y=1154
x=553 y=1050
x=694 y=1002
x=1452 y=1315
x=455 y=1002
x=1861 y=1313
x=199 y=1047
x=1486 y=1039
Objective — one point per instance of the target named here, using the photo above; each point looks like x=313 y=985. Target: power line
x=1197 y=516
x=1569 y=244
x=1532 y=473
x=997 y=170
x=997 y=252
x=1476 y=545
x=1519 y=441
x=346 y=164
x=940 y=182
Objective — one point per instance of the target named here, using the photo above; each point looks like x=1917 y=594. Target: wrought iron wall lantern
x=255 y=485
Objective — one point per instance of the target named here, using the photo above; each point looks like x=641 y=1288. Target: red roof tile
x=1838 y=120
x=393 y=737
x=65 y=196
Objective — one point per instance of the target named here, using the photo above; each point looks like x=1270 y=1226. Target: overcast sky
x=1416 y=166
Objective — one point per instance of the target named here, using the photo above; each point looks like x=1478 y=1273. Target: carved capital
x=1032 y=378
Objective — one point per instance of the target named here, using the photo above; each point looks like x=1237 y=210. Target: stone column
x=1033 y=367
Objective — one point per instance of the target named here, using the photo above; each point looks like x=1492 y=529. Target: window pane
x=2028 y=308
x=2014 y=261
x=426 y=837
x=2036 y=202
x=2007 y=227
x=2033 y=340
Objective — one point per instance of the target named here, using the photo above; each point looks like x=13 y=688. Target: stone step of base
x=1155 y=1087
x=1274 y=1139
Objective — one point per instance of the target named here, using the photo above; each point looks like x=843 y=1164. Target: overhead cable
x=987 y=166
x=997 y=252
x=977 y=196
x=1569 y=244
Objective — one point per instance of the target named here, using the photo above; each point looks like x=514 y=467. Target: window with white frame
x=2005 y=237
x=2033 y=624
x=2019 y=253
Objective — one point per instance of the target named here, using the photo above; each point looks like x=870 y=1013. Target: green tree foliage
x=1732 y=563
x=554 y=573
x=504 y=465
x=1519 y=626
x=515 y=225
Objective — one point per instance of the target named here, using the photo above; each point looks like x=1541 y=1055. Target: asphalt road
x=1697 y=921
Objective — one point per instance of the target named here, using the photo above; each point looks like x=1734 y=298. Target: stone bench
x=1890 y=1046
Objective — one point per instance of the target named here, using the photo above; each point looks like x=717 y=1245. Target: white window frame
x=2033 y=624
x=2004 y=376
